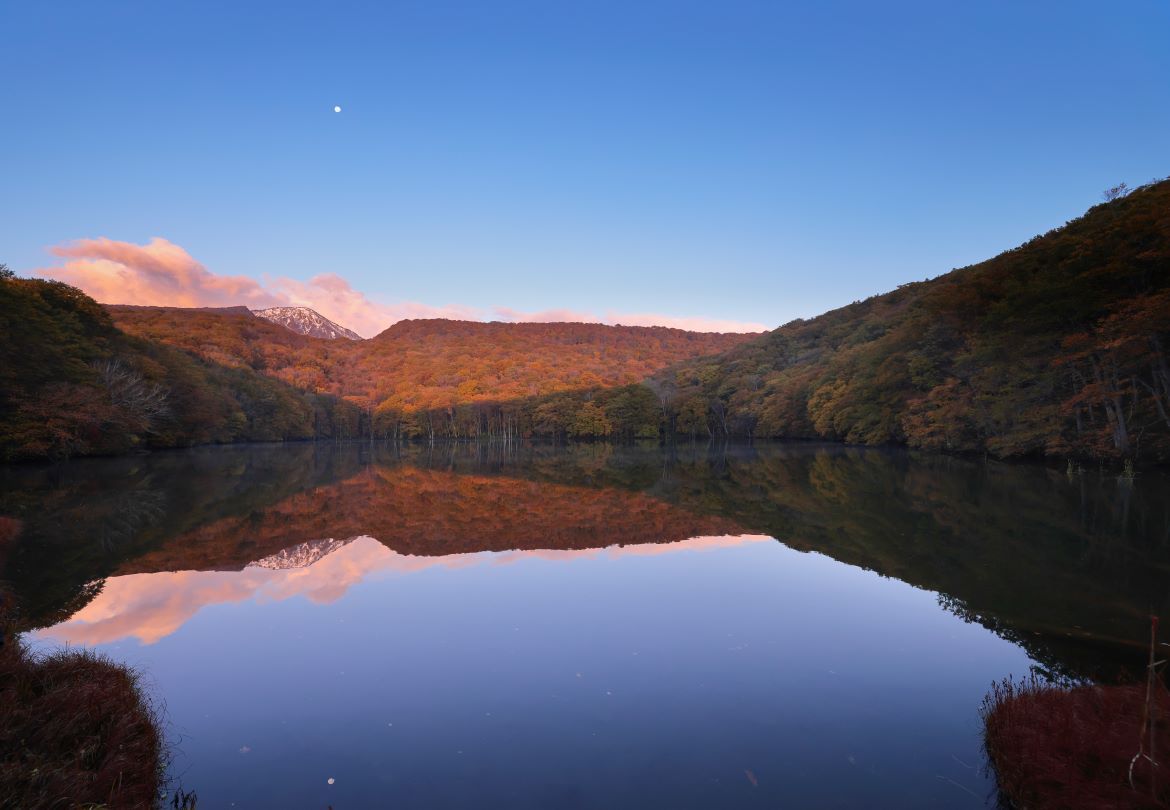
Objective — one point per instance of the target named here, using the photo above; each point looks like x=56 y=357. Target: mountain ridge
x=429 y=363
x=1054 y=348
x=443 y=325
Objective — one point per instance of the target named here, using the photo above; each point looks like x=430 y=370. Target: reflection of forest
x=433 y=513
x=1069 y=566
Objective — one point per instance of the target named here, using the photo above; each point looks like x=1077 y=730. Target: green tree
x=590 y=422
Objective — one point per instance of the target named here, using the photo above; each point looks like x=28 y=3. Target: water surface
x=586 y=627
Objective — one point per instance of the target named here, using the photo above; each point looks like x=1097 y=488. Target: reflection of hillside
x=82 y=519
x=1067 y=566
x=1070 y=567
x=434 y=513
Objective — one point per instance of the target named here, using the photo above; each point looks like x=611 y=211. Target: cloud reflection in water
x=151 y=606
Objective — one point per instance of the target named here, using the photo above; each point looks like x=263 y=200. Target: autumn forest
x=1056 y=349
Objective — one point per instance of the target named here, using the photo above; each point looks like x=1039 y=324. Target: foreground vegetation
x=1071 y=748
x=76 y=730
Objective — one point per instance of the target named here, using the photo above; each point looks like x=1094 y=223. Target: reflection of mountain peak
x=302 y=555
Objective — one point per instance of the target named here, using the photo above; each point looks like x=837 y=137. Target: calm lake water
x=778 y=626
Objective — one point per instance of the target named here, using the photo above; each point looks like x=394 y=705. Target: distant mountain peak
x=306 y=321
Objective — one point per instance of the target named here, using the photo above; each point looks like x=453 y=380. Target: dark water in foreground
x=798 y=626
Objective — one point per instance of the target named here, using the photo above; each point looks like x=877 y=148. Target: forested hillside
x=71 y=383
x=1057 y=348
x=78 y=378
x=453 y=379
x=430 y=363
x=439 y=362
x=235 y=338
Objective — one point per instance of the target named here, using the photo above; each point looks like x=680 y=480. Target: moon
x=336 y=108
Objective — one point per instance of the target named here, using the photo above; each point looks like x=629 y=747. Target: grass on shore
x=1072 y=747
x=76 y=731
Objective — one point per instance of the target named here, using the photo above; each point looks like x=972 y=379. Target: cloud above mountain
x=161 y=273
x=613 y=317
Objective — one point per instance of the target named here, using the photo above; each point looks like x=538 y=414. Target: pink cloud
x=332 y=296
x=545 y=316
x=160 y=273
x=693 y=324
x=152 y=606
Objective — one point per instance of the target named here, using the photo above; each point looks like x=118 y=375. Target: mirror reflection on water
x=592 y=626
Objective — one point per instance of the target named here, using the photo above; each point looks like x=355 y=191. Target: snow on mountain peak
x=305 y=321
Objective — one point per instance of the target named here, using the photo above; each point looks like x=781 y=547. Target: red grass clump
x=76 y=730
x=1071 y=748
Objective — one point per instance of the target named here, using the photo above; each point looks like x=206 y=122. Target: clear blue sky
x=749 y=161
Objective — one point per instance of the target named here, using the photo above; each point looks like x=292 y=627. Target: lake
x=800 y=625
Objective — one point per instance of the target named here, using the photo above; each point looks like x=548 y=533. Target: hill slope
x=420 y=364
x=72 y=383
x=1057 y=347
x=436 y=363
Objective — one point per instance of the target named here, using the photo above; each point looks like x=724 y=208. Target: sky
x=719 y=165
